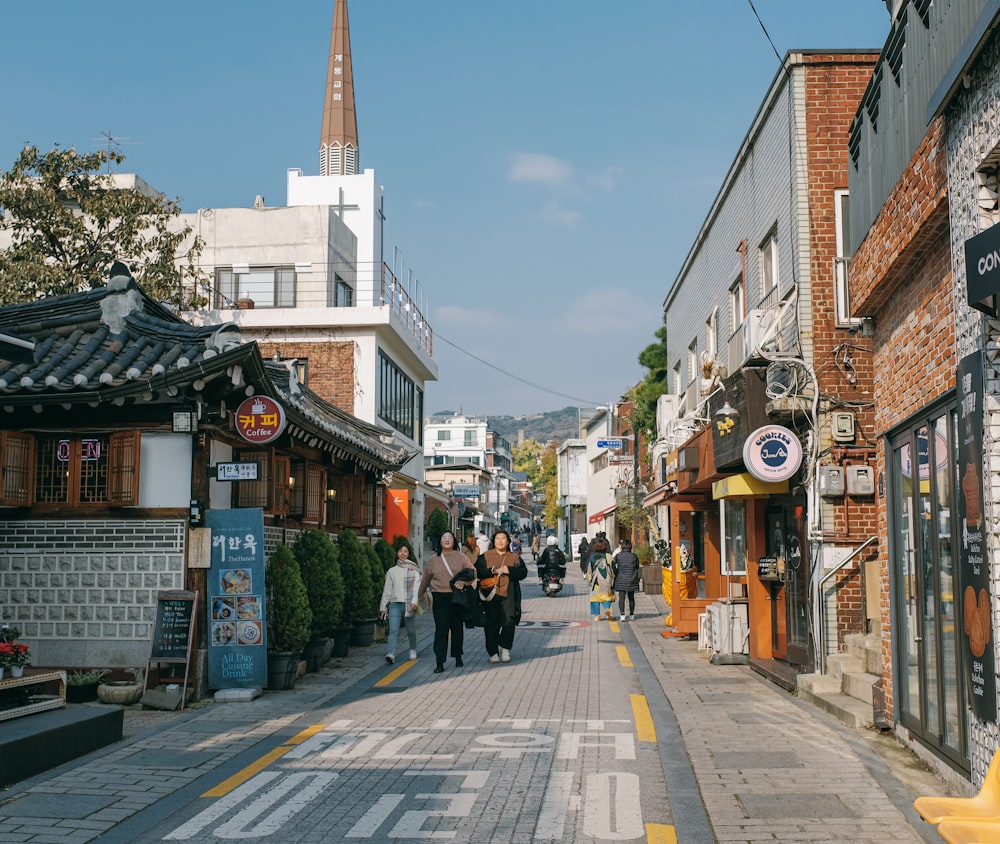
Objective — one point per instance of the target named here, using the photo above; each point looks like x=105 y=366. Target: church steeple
x=338 y=144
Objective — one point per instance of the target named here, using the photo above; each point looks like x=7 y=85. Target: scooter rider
x=551 y=561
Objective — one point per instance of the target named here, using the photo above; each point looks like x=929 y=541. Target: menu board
x=173 y=626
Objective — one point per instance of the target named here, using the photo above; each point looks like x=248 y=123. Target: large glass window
x=268 y=287
x=769 y=264
x=397 y=397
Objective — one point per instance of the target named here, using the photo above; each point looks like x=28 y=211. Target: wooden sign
x=173 y=626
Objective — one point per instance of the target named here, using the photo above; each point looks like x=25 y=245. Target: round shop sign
x=772 y=453
x=260 y=420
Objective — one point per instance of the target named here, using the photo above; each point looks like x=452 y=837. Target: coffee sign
x=260 y=420
x=772 y=453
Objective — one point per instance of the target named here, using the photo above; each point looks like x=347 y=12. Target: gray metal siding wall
x=757 y=198
x=901 y=123
x=82 y=592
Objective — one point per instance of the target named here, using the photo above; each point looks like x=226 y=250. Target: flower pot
x=316 y=653
x=16 y=671
x=123 y=693
x=363 y=633
x=341 y=641
x=282 y=670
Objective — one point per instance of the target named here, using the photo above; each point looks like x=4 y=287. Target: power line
x=584 y=402
x=766 y=35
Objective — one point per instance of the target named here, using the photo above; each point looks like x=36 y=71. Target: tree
x=316 y=555
x=539 y=462
x=357 y=578
x=657 y=382
x=68 y=222
x=437 y=523
x=289 y=619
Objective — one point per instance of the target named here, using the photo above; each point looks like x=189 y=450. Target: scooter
x=552 y=584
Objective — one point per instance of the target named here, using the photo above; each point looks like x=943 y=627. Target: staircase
x=845 y=691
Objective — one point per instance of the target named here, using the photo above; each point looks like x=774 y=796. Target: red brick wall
x=901 y=275
x=330 y=372
x=843 y=363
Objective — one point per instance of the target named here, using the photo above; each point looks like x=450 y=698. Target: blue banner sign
x=615 y=444
x=237 y=628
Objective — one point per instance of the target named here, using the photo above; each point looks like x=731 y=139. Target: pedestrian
x=399 y=601
x=601 y=579
x=439 y=577
x=483 y=542
x=515 y=546
x=625 y=567
x=471 y=549
x=584 y=552
x=552 y=557
x=534 y=548
x=500 y=573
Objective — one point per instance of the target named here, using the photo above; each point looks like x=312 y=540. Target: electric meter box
x=842 y=426
x=831 y=481
x=861 y=479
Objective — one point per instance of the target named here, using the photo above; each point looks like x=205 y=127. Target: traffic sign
x=615 y=444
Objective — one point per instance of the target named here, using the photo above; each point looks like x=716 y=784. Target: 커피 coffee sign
x=260 y=420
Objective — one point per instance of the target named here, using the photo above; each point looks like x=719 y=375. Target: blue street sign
x=615 y=444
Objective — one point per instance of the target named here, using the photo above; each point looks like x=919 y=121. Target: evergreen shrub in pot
x=289 y=619
x=358 y=598
x=319 y=565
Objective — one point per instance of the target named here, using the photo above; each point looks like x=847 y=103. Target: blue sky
x=547 y=163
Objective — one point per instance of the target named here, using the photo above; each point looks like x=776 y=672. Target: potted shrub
x=289 y=618
x=122 y=692
x=81 y=686
x=386 y=554
x=358 y=597
x=316 y=555
x=377 y=574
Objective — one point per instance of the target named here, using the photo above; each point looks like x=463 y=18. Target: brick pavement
x=768 y=768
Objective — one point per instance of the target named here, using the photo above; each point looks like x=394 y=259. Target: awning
x=746 y=485
x=660 y=494
x=599 y=517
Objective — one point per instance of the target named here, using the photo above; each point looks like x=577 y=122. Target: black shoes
x=439 y=669
x=458 y=662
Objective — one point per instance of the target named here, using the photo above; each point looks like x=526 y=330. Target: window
x=342 y=294
x=268 y=287
x=733 y=512
x=693 y=360
x=348 y=506
x=769 y=264
x=470 y=438
x=737 y=304
x=18 y=454
x=678 y=385
x=443 y=436
x=712 y=334
x=842 y=262
x=270 y=491
x=397 y=396
x=76 y=470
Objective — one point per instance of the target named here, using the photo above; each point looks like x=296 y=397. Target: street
x=593 y=732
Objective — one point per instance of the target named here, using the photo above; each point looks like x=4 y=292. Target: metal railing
x=822 y=599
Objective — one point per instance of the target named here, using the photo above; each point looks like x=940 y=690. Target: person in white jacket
x=399 y=601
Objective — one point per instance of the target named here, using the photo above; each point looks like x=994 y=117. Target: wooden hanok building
x=112 y=429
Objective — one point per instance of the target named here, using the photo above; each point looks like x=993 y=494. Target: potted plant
x=289 y=618
x=316 y=555
x=81 y=686
x=13 y=657
x=377 y=574
x=122 y=692
x=358 y=599
x=386 y=554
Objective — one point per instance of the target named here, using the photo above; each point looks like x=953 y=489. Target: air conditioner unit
x=759 y=329
x=666 y=412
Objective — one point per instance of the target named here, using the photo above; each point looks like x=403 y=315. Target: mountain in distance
x=555 y=425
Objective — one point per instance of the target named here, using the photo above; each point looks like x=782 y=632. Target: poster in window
x=977 y=627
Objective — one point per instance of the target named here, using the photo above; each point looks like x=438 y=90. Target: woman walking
x=625 y=566
x=601 y=579
x=439 y=577
x=500 y=572
x=399 y=601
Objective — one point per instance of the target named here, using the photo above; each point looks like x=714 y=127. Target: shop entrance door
x=785 y=520
x=930 y=691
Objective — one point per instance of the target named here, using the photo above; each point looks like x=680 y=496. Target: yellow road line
x=623 y=656
x=644 y=729
x=613 y=626
x=396 y=673
x=660 y=833
x=240 y=777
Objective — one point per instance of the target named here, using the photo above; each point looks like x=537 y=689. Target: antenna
x=113 y=144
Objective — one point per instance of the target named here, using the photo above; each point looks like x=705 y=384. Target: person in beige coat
x=399 y=601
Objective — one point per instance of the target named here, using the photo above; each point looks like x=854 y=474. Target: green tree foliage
x=289 y=619
x=377 y=574
x=316 y=555
x=437 y=523
x=68 y=223
x=357 y=578
x=656 y=382
x=386 y=554
x=539 y=463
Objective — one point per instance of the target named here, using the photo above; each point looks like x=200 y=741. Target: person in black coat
x=584 y=552
x=626 y=569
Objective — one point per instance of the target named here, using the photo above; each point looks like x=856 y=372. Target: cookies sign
x=977 y=627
